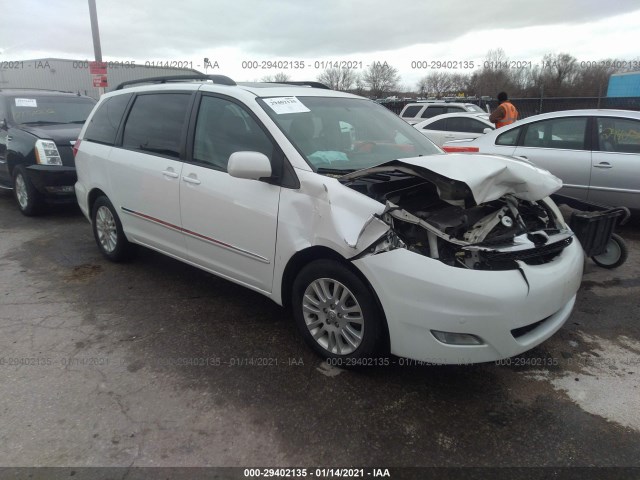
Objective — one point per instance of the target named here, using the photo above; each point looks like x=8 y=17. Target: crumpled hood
x=481 y=178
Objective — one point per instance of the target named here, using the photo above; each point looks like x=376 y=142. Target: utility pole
x=97 y=50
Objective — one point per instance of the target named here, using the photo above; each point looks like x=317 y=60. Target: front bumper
x=53 y=182
x=420 y=294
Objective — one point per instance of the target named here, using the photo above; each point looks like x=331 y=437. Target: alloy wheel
x=333 y=316
x=106 y=229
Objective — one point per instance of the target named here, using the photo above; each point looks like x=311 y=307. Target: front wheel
x=25 y=193
x=614 y=255
x=108 y=232
x=336 y=312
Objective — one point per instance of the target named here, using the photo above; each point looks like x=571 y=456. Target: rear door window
x=459 y=124
x=156 y=123
x=412 y=111
x=437 y=125
x=618 y=135
x=432 y=112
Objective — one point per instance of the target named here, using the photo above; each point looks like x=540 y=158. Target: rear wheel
x=108 y=232
x=614 y=255
x=336 y=312
x=26 y=195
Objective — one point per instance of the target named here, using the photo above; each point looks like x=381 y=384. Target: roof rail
x=220 y=79
x=306 y=84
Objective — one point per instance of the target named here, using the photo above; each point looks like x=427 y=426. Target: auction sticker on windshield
x=282 y=105
x=26 y=102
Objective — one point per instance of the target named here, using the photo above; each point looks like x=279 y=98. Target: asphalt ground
x=155 y=363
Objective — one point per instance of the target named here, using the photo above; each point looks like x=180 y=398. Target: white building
x=74 y=76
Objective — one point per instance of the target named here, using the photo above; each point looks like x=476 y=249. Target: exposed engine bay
x=439 y=218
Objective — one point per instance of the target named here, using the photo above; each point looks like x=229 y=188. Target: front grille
x=66 y=154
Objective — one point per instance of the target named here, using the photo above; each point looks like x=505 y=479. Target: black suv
x=38 y=129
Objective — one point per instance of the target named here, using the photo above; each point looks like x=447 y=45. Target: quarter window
x=618 y=135
x=106 y=120
x=509 y=138
x=223 y=128
x=156 y=122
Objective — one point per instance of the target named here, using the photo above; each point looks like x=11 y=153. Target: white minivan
x=330 y=204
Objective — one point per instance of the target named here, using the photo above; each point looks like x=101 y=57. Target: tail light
x=76 y=145
x=456 y=149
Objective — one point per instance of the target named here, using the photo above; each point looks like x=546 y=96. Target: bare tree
x=341 y=79
x=360 y=86
x=436 y=83
x=494 y=76
x=278 y=77
x=380 y=78
x=592 y=78
x=558 y=74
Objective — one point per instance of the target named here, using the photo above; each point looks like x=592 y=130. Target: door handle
x=193 y=180
x=170 y=173
x=603 y=165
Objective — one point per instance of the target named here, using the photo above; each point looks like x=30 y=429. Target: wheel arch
x=303 y=257
x=94 y=194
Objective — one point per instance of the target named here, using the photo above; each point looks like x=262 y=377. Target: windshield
x=475 y=108
x=50 y=109
x=345 y=134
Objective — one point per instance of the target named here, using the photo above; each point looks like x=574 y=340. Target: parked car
x=596 y=153
x=454 y=126
x=37 y=131
x=330 y=204
x=413 y=113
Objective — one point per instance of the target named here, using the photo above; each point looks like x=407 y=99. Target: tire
x=615 y=254
x=347 y=327
x=107 y=230
x=25 y=194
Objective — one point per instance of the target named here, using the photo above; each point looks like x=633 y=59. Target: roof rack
x=219 y=79
x=306 y=84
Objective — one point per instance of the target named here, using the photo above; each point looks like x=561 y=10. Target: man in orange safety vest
x=505 y=114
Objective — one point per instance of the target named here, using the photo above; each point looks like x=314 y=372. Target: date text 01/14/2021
x=317 y=472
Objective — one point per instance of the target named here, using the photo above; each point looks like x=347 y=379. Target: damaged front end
x=488 y=219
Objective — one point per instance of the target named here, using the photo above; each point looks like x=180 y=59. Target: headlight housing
x=47 y=153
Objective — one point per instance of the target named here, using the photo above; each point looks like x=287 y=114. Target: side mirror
x=249 y=165
x=487 y=130
x=3 y=124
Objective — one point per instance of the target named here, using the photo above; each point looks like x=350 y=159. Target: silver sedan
x=596 y=153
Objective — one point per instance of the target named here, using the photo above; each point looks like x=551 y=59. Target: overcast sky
x=395 y=31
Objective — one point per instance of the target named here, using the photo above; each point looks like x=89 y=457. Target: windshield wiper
x=335 y=171
x=77 y=121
